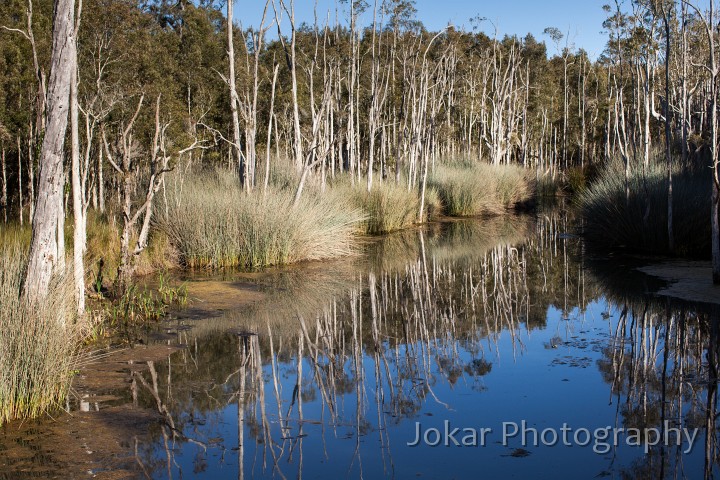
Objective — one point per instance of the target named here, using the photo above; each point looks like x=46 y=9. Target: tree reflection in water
x=347 y=355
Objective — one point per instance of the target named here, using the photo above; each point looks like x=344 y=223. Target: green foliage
x=138 y=307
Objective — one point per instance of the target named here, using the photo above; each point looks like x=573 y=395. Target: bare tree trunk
x=4 y=198
x=101 y=182
x=234 y=99
x=78 y=196
x=43 y=256
x=714 y=220
x=292 y=66
x=713 y=70
x=250 y=104
x=20 y=185
x=374 y=104
x=31 y=174
x=685 y=100
x=668 y=159
x=128 y=170
x=647 y=112
x=270 y=125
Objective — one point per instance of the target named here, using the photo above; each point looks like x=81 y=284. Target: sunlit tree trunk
x=291 y=59
x=270 y=128
x=78 y=196
x=43 y=256
x=20 y=185
x=4 y=198
x=234 y=99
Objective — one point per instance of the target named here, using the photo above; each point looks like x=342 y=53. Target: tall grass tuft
x=639 y=222
x=213 y=223
x=387 y=207
x=480 y=189
x=38 y=343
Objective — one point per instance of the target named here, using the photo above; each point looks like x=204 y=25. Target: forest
x=138 y=136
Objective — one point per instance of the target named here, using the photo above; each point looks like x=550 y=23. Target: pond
x=493 y=348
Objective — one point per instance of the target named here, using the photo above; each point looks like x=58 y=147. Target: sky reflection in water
x=473 y=323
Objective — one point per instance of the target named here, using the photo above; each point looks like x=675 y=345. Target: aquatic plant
x=387 y=207
x=138 y=306
x=213 y=223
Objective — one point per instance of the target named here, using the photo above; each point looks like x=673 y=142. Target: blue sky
x=581 y=18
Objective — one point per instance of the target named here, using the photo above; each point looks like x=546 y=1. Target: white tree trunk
x=78 y=196
x=43 y=256
x=234 y=99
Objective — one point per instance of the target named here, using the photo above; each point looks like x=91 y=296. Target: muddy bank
x=688 y=280
x=97 y=439
x=103 y=424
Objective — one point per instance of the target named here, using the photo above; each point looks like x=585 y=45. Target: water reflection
x=474 y=323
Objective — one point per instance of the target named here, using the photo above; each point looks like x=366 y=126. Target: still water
x=550 y=362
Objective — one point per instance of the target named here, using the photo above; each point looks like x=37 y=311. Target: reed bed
x=38 y=345
x=213 y=223
x=480 y=189
x=639 y=222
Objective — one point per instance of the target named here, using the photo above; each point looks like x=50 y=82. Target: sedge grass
x=479 y=189
x=638 y=222
x=386 y=208
x=38 y=345
x=213 y=223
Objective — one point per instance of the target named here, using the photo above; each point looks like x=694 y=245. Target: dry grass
x=103 y=247
x=213 y=223
x=387 y=207
x=38 y=345
x=480 y=189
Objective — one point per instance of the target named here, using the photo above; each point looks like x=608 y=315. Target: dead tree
x=291 y=59
x=249 y=105
x=234 y=99
x=125 y=161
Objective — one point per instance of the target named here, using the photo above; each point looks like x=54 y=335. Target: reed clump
x=213 y=223
x=39 y=342
x=471 y=189
x=639 y=222
x=386 y=208
x=389 y=207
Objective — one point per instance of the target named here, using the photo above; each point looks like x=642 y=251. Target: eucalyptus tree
x=47 y=236
x=291 y=59
x=565 y=51
x=234 y=98
x=249 y=105
x=664 y=9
